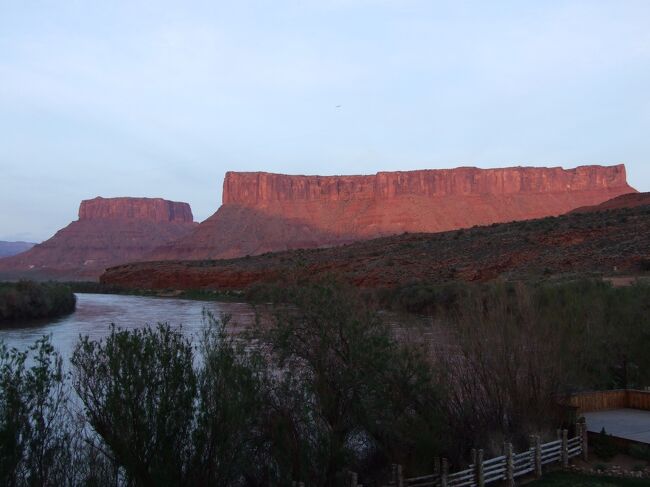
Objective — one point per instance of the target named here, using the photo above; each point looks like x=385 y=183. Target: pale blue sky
x=161 y=98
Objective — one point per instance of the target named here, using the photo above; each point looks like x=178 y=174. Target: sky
x=160 y=99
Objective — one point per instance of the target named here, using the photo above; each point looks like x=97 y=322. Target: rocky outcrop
x=109 y=231
x=264 y=212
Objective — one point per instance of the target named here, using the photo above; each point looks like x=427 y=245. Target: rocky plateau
x=263 y=212
x=109 y=231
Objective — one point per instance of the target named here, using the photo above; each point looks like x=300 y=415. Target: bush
x=349 y=395
x=641 y=452
x=27 y=300
x=644 y=265
x=603 y=446
x=35 y=430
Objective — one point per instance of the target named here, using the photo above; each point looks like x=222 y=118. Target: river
x=96 y=312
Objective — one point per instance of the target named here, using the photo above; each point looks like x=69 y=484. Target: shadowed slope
x=582 y=243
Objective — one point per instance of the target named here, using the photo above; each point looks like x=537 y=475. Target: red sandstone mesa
x=264 y=212
x=109 y=231
x=149 y=209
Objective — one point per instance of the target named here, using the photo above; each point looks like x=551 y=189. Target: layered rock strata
x=264 y=212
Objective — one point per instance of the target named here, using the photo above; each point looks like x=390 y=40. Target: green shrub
x=641 y=452
x=27 y=300
x=603 y=446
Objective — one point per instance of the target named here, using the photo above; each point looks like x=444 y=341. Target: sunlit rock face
x=264 y=212
x=109 y=231
x=146 y=209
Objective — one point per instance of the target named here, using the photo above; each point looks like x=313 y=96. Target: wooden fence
x=616 y=399
x=505 y=468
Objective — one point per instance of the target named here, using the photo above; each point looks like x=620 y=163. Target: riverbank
x=91 y=287
x=28 y=300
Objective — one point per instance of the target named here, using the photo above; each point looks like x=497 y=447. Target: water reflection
x=96 y=312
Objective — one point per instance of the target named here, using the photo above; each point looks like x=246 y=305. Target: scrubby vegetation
x=27 y=300
x=323 y=387
x=326 y=388
x=594 y=244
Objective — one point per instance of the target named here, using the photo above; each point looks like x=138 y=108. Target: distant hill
x=109 y=231
x=602 y=242
x=8 y=249
x=629 y=200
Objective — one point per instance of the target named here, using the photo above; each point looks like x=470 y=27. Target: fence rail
x=506 y=467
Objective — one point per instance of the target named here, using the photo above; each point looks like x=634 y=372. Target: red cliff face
x=267 y=212
x=149 y=209
x=109 y=231
x=259 y=189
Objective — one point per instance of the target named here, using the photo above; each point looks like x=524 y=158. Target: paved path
x=631 y=424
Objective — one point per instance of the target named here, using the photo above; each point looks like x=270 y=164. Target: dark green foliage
x=641 y=452
x=227 y=441
x=27 y=300
x=168 y=416
x=603 y=446
x=644 y=264
x=325 y=389
x=138 y=388
x=349 y=395
x=425 y=297
x=607 y=329
x=35 y=431
x=321 y=388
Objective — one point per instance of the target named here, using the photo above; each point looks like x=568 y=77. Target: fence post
x=478 y=469
x=584 y=440
x=444 y=473
x=393 y=474
x=538 y=456
x=436 y=465
x=400 y=476
x=353 y=479
x=510 y=467
x=565 y=448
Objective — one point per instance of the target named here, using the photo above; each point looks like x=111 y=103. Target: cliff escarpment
x=109 y=231
x=264 y=212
